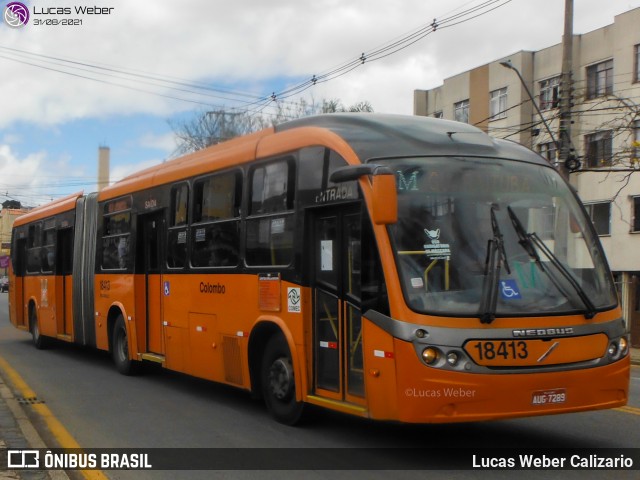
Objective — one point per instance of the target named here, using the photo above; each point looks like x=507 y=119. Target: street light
x=546 y=125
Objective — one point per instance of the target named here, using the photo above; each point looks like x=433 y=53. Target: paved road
x=102 y=409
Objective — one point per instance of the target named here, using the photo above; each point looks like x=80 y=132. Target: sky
x=123 y=72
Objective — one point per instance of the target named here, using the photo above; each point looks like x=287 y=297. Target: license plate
x=549 y=397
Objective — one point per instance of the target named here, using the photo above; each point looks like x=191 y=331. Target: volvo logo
x=543 y=332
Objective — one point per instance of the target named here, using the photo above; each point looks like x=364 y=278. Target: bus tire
x=278 y=382
x=120 y=349
x=39 y=341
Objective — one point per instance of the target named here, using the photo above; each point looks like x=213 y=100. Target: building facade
x=605 y=129
x=7 y=217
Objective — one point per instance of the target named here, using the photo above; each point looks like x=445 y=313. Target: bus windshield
x=490 y=237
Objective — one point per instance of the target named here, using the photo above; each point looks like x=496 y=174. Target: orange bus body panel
x=433 y=395
x=59 y=206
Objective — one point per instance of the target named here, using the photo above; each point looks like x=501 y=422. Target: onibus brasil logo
x=16 y=14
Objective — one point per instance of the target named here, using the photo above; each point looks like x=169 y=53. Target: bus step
x=152 y=357
x=64 y=336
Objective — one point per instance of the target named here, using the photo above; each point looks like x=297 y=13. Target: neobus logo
x=543 y=332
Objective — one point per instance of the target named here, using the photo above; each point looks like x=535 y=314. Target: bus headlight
x=452 y=358
x=430 y=355
x=618 y=348
x=623 y=346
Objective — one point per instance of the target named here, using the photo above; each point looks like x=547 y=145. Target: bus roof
x=369 y=135
x=57 y=206
x=374 y=135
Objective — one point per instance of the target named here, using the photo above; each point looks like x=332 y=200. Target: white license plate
x=549 y=397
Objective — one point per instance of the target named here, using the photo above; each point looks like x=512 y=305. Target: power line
x=244 y=99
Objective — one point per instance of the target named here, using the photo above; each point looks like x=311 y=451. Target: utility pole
x=221 y=121
x=566 y=151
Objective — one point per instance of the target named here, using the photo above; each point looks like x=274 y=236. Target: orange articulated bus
x=390 y=267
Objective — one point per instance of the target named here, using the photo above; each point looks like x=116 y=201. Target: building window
x=600 y=79
x=438 y=114
x=636 y=62
x=548 y=151
x=635 y=225
x=550 y=93
x=498 y=103
x=600 y=214
x=599 y=149
x=461 y=111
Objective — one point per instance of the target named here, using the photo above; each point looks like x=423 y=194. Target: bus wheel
x=278 y=382
x=120 y=349
x=39 y=340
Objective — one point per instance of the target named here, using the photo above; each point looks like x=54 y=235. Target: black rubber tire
x=120 y=349
x=278 y=382
x=39 y=341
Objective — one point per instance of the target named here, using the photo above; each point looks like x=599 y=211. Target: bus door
x=63 y=269
x=337 y=323
x=150 y=235
x=16 y=291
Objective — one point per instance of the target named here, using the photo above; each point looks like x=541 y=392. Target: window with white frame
x=635 y=214
x=549 y=151
x=600 y=79
x=550 y=93
x=600 y=214
x=461 y=111
x=498 y=103
x=599 y=149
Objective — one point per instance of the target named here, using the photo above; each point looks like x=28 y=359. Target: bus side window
x=34 y=238
x=177 y=233
x=270 y=237
x=48 y=251
x=272 y=188
x=215 y=232
x=115 y=234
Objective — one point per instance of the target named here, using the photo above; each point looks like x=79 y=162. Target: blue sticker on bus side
x=509 y=290
x=166 y=289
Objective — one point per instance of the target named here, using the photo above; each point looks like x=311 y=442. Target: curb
x=28 y=432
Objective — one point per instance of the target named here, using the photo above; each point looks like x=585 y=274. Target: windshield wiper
x=532 y=243
x=496 y=257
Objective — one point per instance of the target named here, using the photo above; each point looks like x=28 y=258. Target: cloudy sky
x=121 y=76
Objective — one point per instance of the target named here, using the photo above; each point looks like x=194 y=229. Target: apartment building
x=9 y=211
x=605 y=129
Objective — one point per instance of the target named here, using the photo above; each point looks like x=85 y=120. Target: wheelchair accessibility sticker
x=509 y=290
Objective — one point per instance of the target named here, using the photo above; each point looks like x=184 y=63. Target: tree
x=207 y=128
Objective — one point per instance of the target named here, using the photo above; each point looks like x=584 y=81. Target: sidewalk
x=635 y=356
x=17 y=432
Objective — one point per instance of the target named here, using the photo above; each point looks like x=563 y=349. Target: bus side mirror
x=385 y=195
x=385 y=199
